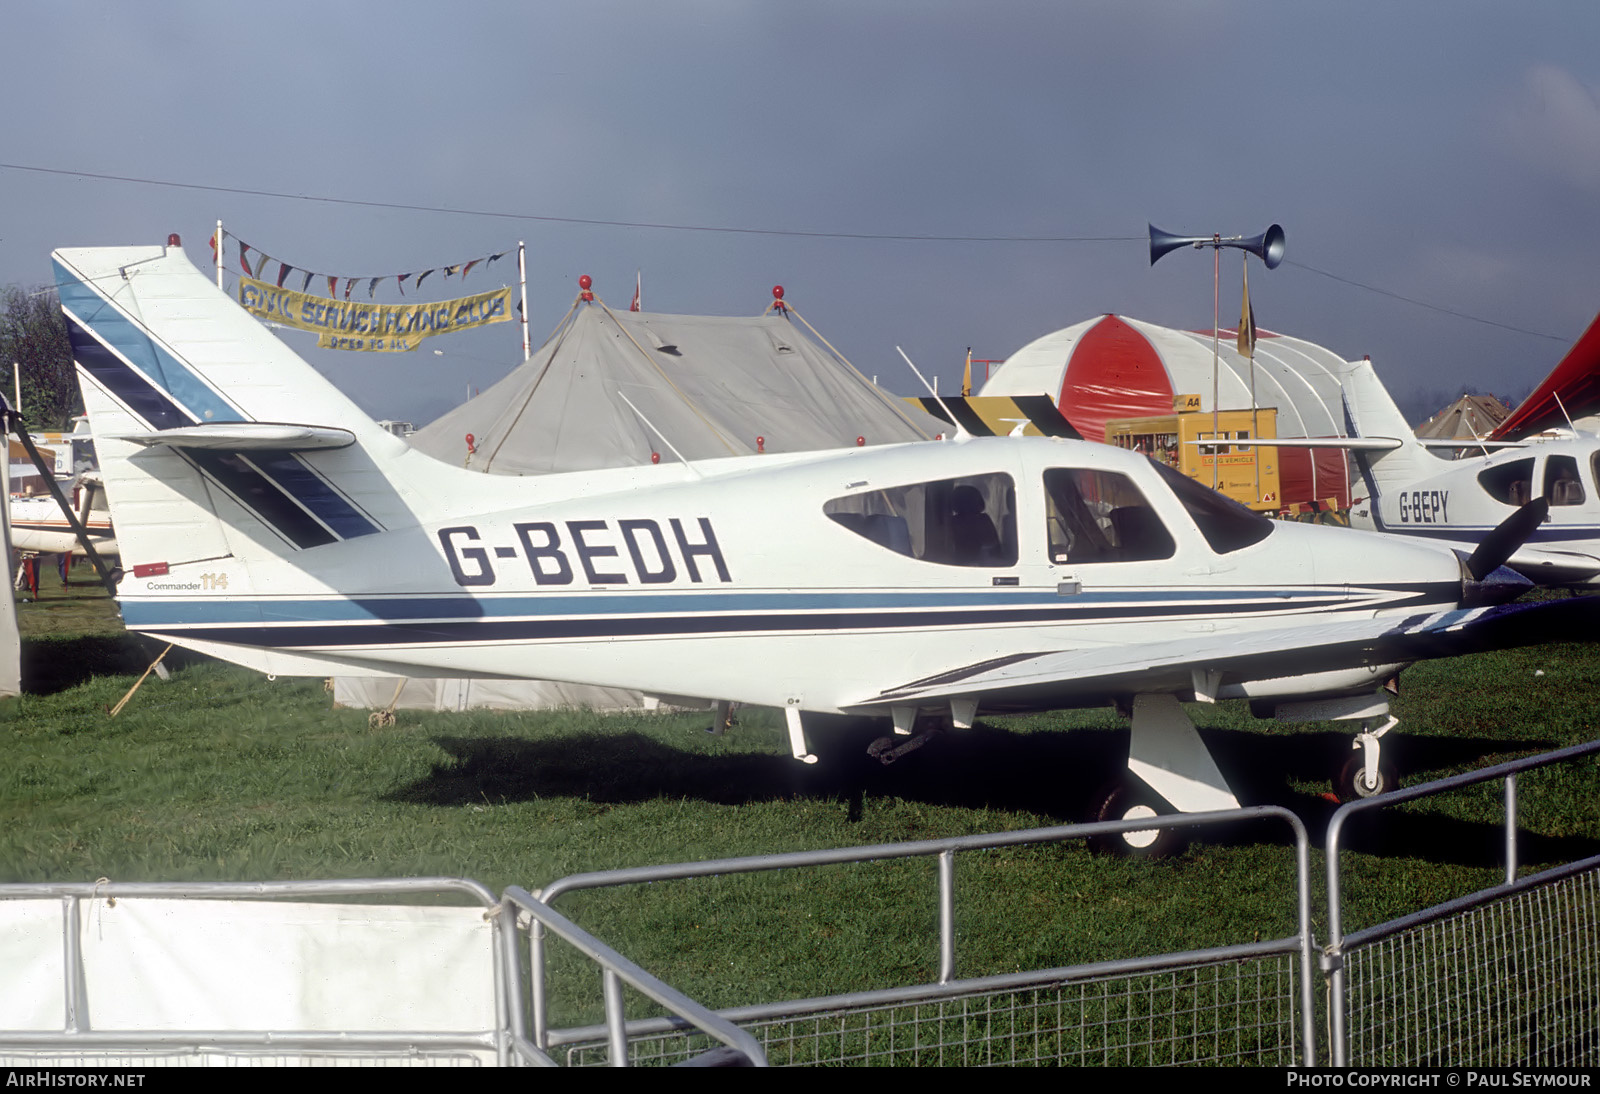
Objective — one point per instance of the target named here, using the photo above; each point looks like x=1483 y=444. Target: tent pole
x=522 y=276
x=1216 y=324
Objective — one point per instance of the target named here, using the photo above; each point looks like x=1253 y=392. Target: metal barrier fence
x=167 y=974
x=1236 y=1004
x=127 y=974
x=711 y=1031
x=1505 y=976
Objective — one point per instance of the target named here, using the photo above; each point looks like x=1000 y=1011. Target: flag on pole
x=1247 y=321
x=638 y=289
x=966 y=375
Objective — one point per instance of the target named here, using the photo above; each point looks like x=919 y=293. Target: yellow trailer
x=1243 y=471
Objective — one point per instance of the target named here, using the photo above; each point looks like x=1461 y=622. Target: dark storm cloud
x=1444 y=152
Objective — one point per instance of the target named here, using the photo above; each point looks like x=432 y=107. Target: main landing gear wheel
x=1131 y=799
x=1352 y=785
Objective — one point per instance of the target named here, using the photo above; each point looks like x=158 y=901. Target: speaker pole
x=1268 y=247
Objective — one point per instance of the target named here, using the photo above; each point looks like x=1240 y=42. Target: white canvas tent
x=712 y=385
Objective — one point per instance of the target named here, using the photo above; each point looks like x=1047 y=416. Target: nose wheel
x=1369 y=770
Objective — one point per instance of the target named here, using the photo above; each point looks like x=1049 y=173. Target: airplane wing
x=1552 y=566
x=1059 y=678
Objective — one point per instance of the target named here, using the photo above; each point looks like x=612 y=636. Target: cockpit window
x=956 y=522
x=1100 y=516
x=1509 y=483
x=1227 y=525
x=1562 y=486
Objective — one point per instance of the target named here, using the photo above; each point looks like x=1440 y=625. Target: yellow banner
x=342 y=324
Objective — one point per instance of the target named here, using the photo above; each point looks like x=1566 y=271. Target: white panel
x=32 y=980
x=247 y=965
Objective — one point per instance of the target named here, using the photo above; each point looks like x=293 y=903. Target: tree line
x=33 y=338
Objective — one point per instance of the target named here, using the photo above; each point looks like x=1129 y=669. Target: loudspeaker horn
x=1268 y=246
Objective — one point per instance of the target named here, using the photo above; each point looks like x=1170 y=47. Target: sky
x=1435 y=166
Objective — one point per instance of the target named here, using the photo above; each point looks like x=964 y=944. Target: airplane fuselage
x=808 y=581
x=1467 y=498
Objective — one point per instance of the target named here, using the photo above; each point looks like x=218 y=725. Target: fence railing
x=132 y=973
x=1505 y=975
x=437 y=970
x=1119 y=1000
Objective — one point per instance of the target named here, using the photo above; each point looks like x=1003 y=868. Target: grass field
x=219 y=773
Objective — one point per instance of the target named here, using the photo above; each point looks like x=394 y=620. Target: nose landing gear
x=1368 y=771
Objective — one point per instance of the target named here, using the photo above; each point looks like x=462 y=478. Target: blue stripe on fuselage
x=847 y=609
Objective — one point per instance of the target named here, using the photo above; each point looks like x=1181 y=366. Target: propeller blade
x=1504 y=541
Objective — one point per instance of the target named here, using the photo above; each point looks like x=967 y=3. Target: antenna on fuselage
x=651 y=426
x=1474 y=433
x=960 y=432
x=1564 y=413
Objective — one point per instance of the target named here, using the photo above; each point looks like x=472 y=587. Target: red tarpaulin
x=1575 y=381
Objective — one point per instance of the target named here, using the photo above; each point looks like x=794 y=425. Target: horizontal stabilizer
x=245 y=437
x=1458 y=442
x=1352 y=444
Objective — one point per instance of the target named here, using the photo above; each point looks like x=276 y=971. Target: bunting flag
x=1247 y=321
x=253 y=262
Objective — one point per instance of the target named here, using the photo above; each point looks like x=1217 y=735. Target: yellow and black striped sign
x=1000 y=415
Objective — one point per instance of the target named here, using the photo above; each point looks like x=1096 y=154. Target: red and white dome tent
x=1114 y=367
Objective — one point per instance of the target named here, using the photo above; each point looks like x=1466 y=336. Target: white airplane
x=38 y=524
x=1411 y=491
x=265 y=520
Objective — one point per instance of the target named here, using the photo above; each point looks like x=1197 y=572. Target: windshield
x=1227 y=525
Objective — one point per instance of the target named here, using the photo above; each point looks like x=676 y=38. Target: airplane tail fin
x=216 y=441
x=1371 y=413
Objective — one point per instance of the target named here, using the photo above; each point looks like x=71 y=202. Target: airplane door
x=1098 y=530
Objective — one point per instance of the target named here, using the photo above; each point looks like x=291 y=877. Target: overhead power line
x=726 y=230
x=594 y=222
x=1421 y=303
